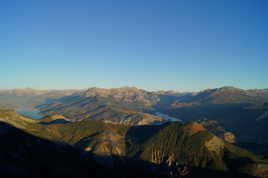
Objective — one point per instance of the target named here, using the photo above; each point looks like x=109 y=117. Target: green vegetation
x=172 y=142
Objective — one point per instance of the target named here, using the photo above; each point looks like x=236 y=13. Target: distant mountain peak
x=229 y=88
x=124 y=94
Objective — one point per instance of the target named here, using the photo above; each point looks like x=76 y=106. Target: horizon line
x=150 y=90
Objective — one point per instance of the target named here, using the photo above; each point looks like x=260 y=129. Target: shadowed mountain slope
x=24 y=155
x=164 y=145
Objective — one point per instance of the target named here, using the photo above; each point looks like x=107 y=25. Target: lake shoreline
x=35 y=114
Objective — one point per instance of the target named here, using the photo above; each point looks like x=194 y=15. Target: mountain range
x=240 y=112
x=126 y=127
x=29 y=98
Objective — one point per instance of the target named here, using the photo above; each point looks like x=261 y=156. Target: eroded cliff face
x=181 y=144
x=215 y=145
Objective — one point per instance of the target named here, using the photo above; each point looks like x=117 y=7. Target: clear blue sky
x=150 y=44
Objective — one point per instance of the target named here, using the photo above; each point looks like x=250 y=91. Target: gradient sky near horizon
x=151 y=44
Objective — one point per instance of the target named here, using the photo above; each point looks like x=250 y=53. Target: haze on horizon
x=183 y=45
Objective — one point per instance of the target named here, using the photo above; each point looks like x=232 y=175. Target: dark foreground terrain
x=47 y=148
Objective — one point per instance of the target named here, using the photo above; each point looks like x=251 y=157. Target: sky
x=182 y=45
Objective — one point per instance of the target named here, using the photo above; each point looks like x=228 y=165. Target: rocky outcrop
x=229 y=137
x=215 y=145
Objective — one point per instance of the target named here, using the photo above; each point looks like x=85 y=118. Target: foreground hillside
x=168 y=147
x=26 y=156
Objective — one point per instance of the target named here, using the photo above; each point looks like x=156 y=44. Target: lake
x=168 y=118
x=35 y=114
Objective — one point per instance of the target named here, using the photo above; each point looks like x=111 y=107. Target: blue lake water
x=30 y=113
x=168 y=118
